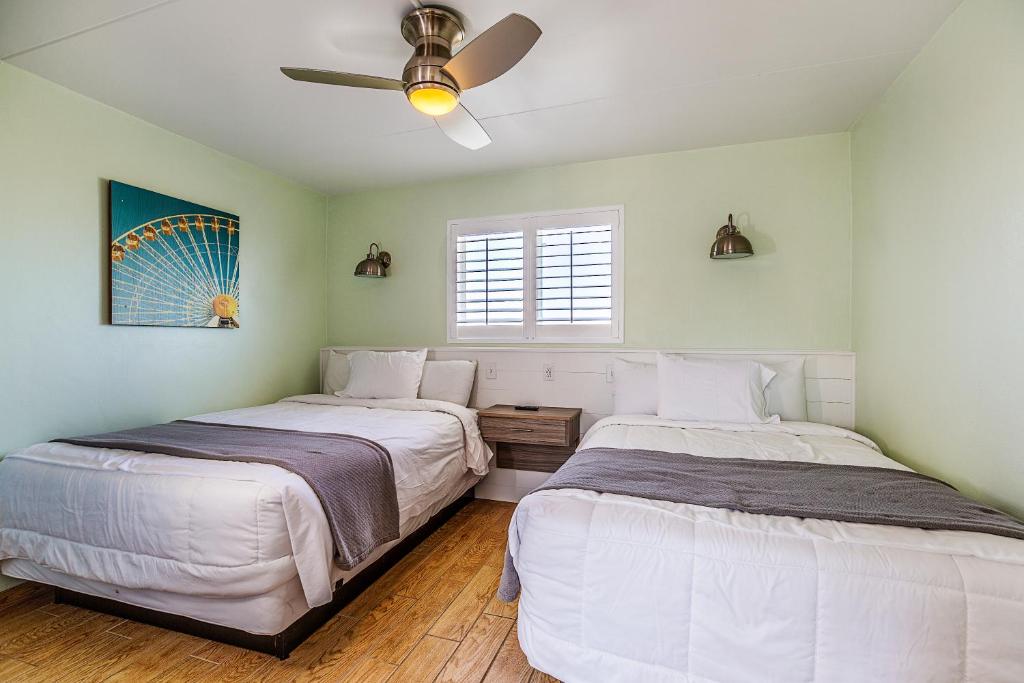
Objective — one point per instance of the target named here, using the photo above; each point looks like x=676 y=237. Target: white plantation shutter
x=543 y=277
x=574 y=275
x=489 y=279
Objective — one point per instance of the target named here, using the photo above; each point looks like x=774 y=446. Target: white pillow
x=336 y=375
x=448 y=380
x=786 y=393
x=636 y=388
x=384 y=374
x=712 y=390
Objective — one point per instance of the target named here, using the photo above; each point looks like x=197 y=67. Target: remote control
x=534 y=408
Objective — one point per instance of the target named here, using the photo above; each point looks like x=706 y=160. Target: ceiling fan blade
x=341 y=78
x=493 y=52
x=460 y=126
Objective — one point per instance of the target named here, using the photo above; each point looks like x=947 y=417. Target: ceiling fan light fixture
x=432 y=99
x=433 y=79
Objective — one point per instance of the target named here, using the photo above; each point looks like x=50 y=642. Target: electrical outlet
x=549 y=372
x=609 y=373
x=491 y=371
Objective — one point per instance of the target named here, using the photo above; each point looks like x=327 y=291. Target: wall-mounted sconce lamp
x=374 y=265
x=729 y=243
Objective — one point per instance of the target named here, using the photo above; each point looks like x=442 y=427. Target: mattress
x=618 y=588
x=263 y=614
x=221 y=530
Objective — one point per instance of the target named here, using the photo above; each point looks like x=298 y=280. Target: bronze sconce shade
x=729 y=243
x=374 y=265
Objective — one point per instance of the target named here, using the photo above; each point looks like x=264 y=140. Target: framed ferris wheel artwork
x=172 y=263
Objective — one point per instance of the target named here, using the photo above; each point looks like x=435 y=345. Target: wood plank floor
x=433 y=617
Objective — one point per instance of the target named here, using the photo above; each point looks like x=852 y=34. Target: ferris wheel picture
x=172 y=263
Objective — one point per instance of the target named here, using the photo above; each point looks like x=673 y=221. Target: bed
x=243 y=547
x=622 y=588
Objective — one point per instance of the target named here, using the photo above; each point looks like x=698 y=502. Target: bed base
x=281 y=644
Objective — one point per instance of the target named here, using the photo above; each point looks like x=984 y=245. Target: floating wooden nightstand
x=539 y=440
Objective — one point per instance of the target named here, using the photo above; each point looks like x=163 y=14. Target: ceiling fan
x=433 y=79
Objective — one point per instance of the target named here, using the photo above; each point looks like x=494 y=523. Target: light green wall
x=62 y=370
x=792 y=198
x=938 y=314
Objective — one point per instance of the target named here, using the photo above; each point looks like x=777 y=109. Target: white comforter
x=617 y=588
x=219 y=529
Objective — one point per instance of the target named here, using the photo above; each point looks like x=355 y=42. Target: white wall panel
x=580 y=380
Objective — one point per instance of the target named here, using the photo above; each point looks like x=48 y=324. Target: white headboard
x=582 y=377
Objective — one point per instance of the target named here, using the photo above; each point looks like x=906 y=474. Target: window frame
x=530 y=223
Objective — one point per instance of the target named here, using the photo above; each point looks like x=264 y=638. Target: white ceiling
x=608 y=78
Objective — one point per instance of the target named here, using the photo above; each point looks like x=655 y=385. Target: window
x=552 y=277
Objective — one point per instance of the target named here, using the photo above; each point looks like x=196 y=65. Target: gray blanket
x=353 y=477
x=844 y=493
